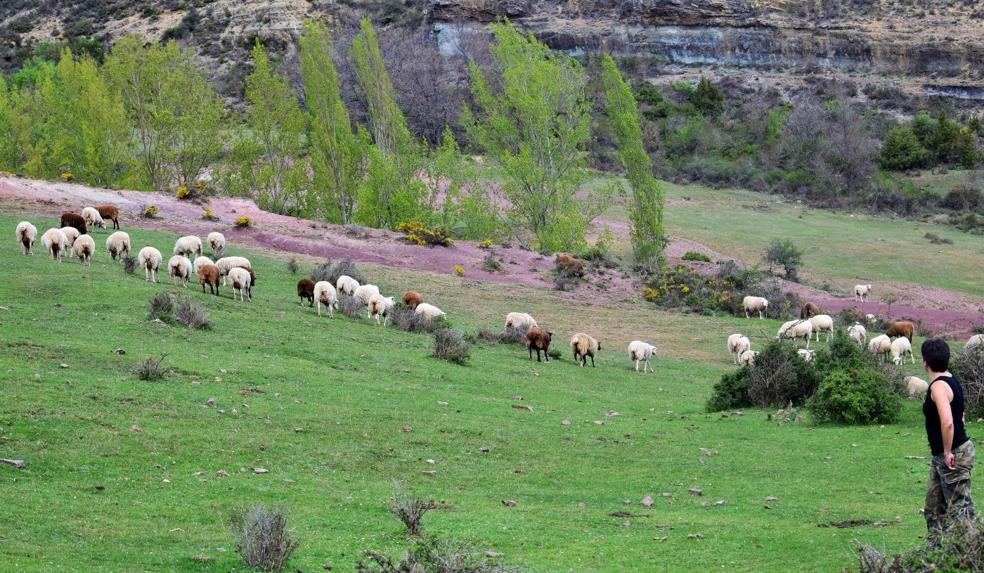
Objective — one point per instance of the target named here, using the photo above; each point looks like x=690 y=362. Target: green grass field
x=322 y=405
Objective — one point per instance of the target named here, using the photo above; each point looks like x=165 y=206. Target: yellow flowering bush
x=182 y=192
x=243 y=222
x=66 y=176
x=486 y=244
x=416 y=233
x=151 y=211
x=208 y=215
x=459 y=270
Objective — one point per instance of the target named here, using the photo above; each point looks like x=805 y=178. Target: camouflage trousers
x=948 y=496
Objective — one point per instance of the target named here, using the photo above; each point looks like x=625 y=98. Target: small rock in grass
x=492 y=554
x=565 y=423
x=599 y=422
x=719 y=502
x=695 y=536
x=430 y=461
x=771 y=498
x=136 y=428
x=260 y=471
x=407 y=429
x=210 y=402
x=119 y=351
x=222 y=474
x=667 y=494
x=696 y=491
x=63 y=365
x=430 y=473
x=524 y=407
x=485 y=449
x=509 y=503
x=647 y=501
x=441 y=403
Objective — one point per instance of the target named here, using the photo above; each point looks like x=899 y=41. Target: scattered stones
x=695 y=536
x=407 y=429
x=136 y=428
x=260 y=471
x=222 y=474
x=63 y=365
x=210 y=402
x=119 y=352
x=509 y=503
x=430 y=473
x=524 y=407
x=647 y=501
x=565 y=423
x=492 y=554
x=696 y=491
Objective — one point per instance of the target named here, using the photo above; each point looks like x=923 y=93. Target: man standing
x=948 y=497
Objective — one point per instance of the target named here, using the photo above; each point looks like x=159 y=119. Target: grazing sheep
x=583 y=345
x=428 y=311
x=305 y=291
x=900 y=347
x=412 y=299
x=871 y=318
x=150 y=260
x=71 y=233
x=640 y=351
x=216 y=242
x=738 y=343
x=200 y=262
x=93 y=218
x=880 y=344
x=226 y=264
x=73 y=220
x=916 y=386
x=54 y=242
x=111 y=213
x=794 y=329
x=806 y=355
x=84 y=248
x=118 y=244
x=188 y=246
x=209 y=274
x=809 y=309
x=26 y=234
x=755 y=303
x=901 y=328
x=747 y=358
x=380 y=305
x=346 y=285
x=538 y=339
x=520 y=319
x=179 y=267
x=822 y=323
x=858 y=334
x=973 y=342
x=325 y=294
x=242 y=281
x=568 y=265
x=861 y=291
x=364 y=293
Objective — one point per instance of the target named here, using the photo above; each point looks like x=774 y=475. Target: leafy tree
x=943 y=140
x=338 y=154
x=922 y=126
x=785 y=254
x=901 y=150
x=534 y=121
x=707 y=98
x=266 y=160
x=646 y=213
x=9 y=157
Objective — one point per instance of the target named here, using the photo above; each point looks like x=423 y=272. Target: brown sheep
x=111 y=213
x=412 y=299
x=568 y=266
x=809 y=309
x=75 y=221
x=305 y=290
x=538 y=339
x=209 y=274
x=901 y=328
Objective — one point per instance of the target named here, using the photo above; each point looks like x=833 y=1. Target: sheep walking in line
x=217 y=243
x=150 y=260
x=305 y=291
x=899 y=348
x=519 y=320
x=738 y=343
x=861 y=292
x=858 y=334
x=346 y=285
x=84 y=248
x=795 y=329
x=640 y=351
x=755 y=304
x=880 y=344
x=26 y=234
x=226 y=264
x=179 y=267
x=324 y=294
x=54 y=242
x=189 y=246
x=118 y=245
x=380 y=305
x=363 y=293
x=209 y=275
x=242 y=282
x=111 y=213
x=822 y=323
x=538 y=339
x=93 y=218
x=583 y=346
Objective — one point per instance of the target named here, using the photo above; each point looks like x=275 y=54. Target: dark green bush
x=695 y=256
x=779 y=377
x=861 y=396
x=902 y=151
x=731 y=391
x=785 y=254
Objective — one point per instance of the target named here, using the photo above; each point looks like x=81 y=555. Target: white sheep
x=26 y=233
x=794 y=329
x=226 y=264
x=150 y=260
x=428 y=311
x=188 y=245
x=92 y=218
x=71 y=233
x=179 y=267
x=973 y=342
x=520 y=319
x=880 y=344
x=858 y=334
x=84 y=247
x=54 y=242
x=118 y=244
x=822 y=323
x=738 y=343
x=201 y=262
x=241 y=280
x=899 y=348
x=584 y=345
x=380 y=305
x=861 y=291
x=806 y=355
x=346 y=285
x=364 y=292
x=325 y=294
x=216 y=242
x=916 y=386
x=747 y=358
x=871 y=318
x=640 y=351
x=755 y=303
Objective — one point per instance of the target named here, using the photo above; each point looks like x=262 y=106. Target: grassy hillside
x=322 y=405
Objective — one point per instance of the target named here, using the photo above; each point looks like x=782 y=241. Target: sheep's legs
x=637 y=365
x=592 y=361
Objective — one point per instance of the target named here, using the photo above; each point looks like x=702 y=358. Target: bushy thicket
x=330 y=270
x=262 y=537
x=968 y=367
x=961 y=548
x=450 y=345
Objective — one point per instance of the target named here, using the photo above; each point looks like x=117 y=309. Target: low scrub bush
x=351 y=307
x=150 y=368
x=450 y=345
x=262 y=537
x=435 y=555
x=151 y=212
x=331 y=270
x=937 y=240
x=968 y=367
x=490 y=264
x=565 y=283
x=416 y=233
x=779 y=377
x=731 y=391
x=695 y=256
x=961 y=548
x=160 y=306
x=129 y=264
x=515 y=334
x=191 y=314
x=209 y=215
x=490 y=336
x=408 y=509
x=292 y=266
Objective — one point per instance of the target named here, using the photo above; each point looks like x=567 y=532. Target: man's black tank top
x=933 y=430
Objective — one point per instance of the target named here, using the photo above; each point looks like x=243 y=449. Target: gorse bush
x=779 y=377
x=408 y=509
x=150 y=368
x=731 y=391
x=450 y=345
x=416 y=233
x=968 y=367
x=191 y=314
x=859 y=396
x=262 y=537
x=435 y=555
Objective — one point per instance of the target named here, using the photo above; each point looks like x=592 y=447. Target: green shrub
x=707 y=98
x=968 y=367
x=731 y=391
x=860 y=396
x=902 y=151
x=785 y=254
x=695 y=256
x=450 y=345
x=779 y=377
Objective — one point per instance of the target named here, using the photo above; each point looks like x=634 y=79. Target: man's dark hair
x=936 y=354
